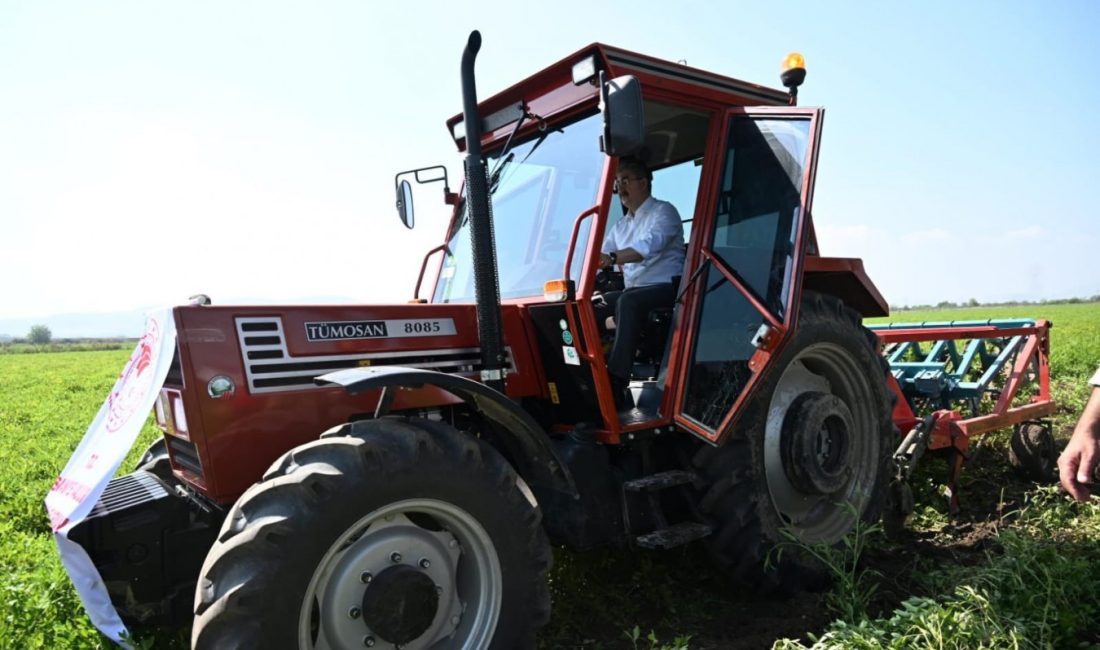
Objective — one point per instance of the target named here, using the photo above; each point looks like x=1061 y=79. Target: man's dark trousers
x=632 y=306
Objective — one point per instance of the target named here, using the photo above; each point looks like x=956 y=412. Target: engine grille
x=269 y=367
x=126 y=491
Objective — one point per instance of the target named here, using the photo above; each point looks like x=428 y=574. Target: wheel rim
x=813 y=517
x=396 y=548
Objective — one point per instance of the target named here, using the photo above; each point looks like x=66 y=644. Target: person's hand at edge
x=1077 y=464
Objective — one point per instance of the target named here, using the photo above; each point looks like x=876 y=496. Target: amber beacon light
x=793 y=74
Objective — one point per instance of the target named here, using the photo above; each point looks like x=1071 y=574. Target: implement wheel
x=810 y=458
x=1031 y=452
x=392 y=533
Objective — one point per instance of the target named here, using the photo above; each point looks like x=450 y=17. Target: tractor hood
x=242 y=381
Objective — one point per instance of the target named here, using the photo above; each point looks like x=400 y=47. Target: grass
x=1038 y=591
x=46 y=403
x=1029 y=583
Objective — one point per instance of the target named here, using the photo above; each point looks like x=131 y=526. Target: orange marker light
x=556 y=290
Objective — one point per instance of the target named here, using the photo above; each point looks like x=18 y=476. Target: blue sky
x=149 y=151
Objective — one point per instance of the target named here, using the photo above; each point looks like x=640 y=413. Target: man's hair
x=636 y=166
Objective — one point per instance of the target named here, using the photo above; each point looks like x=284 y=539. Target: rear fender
x=846 y=279
x=525 y=441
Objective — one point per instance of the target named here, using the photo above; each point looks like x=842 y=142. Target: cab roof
x=551 y=92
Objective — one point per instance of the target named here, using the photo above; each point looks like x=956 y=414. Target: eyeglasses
x=619 y=182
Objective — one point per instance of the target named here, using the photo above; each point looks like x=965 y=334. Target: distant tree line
x=947 y=304
x=40 y=339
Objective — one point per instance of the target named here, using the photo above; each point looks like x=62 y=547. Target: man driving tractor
x=649 y=244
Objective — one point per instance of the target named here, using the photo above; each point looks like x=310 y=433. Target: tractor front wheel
x=809 y=461
x=391 y=533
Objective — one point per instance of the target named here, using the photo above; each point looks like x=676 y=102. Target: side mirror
x=623 y=116
x=405 y=203
x=403 y=188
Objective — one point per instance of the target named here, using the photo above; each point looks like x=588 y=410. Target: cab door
x=742 y=296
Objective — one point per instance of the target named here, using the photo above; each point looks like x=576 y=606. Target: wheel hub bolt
x=365 y=577
x=424 y=563
x=368 y=641
x=354 y=612
x=454 y=620
x=395 y=557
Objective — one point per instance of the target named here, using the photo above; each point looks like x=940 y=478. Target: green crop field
x=1018 y=568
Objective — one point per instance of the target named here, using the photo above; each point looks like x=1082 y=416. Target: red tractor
x=394 y=475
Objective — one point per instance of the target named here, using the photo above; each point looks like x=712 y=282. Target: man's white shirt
x=655 y=231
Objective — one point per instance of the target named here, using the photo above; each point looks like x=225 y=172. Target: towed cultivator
x=959 y=379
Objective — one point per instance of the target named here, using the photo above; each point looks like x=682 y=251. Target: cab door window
x=751 y=253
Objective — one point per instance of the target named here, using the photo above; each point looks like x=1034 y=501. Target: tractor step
x=673 y=536
x=661 y=480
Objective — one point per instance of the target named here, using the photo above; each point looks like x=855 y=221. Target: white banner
x=106 y=443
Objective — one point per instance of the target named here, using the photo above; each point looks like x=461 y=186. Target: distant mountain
x=128 y=324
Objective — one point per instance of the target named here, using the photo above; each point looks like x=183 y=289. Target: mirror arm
x=422 y=181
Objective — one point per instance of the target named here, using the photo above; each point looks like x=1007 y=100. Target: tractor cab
x=734 y=158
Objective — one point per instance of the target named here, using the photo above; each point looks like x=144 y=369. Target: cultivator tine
x=911 y=449
x=956 y=458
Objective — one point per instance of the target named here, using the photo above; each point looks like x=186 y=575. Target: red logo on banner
x=135 y=380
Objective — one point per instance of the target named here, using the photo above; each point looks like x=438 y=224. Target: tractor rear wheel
x=388 y=533
x=810 y=458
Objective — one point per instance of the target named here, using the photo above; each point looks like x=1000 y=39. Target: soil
x=686 y=597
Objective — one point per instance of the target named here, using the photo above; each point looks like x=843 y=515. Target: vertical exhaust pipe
x=486 y=279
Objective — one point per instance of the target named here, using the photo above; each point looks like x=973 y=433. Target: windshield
x=538 y=190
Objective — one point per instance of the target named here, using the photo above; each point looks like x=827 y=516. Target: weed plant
x=651 y=642
x=853 y=587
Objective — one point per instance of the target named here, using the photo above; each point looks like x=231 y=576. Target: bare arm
x=1077 y=464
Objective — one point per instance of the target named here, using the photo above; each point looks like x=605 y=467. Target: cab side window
x=679 y=185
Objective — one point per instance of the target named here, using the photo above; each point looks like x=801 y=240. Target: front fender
x=528 y=445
